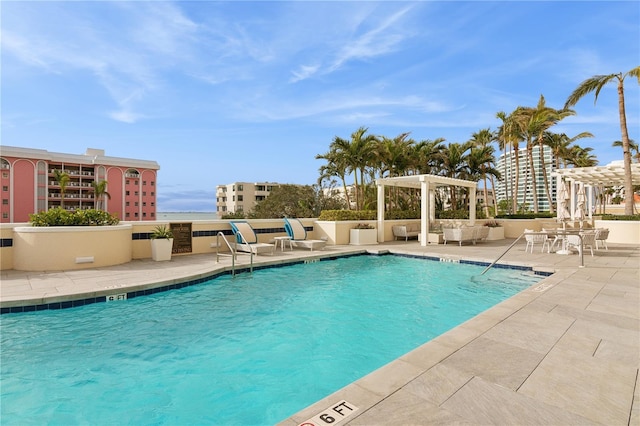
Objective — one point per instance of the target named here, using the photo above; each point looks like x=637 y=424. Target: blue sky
x=218 y=92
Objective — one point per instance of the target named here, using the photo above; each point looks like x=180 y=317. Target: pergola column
x=472 y=206
x=425 y=203
x=380 y=213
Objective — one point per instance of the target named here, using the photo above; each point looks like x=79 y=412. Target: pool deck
x=565 y=351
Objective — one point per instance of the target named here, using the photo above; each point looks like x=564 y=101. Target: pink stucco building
x=29 y=184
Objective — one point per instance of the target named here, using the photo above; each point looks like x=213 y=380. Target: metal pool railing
x=557 y=233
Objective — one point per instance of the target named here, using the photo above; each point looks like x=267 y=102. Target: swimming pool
x=253 y=349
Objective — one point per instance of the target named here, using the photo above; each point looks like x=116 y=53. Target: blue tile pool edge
x=175 y=286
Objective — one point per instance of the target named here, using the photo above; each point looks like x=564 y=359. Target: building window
x=5 y=175
x=144 y=183
x=144 y=193
x=5 y=202
x=153 y=214
x=144 y=214
x=240 y=188
x=5 y=215
x=126 y=204
x=128 y=182
x=136 y=204
x=5 y=188
x=240 y=198
x=136 y=214
x=153 y=204
x=126 y=193
x=153 y=194
x=127 y=214
x=144 y=204
x=135 y=193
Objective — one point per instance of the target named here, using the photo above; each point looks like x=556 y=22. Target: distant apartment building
x=507 y=167
x=241 y=196
x=29 y=184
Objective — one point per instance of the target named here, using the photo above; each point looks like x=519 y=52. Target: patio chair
x=532 y=238
x=588 y=240
x=601 y=237
x=297 y=233
x=247 y=240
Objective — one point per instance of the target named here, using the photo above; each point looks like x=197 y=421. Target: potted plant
x=363 y=234
x=161 y=243
x=496 y=231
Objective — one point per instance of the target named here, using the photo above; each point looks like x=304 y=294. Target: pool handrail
x=537 y=233
x=233 y=253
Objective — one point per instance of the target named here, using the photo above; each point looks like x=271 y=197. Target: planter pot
x=496 y=234
x=360 y=237
x=161 y=249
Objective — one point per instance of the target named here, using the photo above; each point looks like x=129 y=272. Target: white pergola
x=427 y=184
x=589 y=177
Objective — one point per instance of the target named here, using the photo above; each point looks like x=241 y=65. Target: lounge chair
x=459 y=234
x=247 y=240
x=297 y=233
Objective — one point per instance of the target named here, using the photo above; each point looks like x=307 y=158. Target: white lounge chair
x=297 y=233
x=459 y=234
x=247 y=240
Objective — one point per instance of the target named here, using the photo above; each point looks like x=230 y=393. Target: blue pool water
x=248 y=350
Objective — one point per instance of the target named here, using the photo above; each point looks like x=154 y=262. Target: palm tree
x=582 y=157
x=427 y=155
x=483 y=140
x=632 y=147
x=596 y=83
x=99 y=192
x=533 y=122
x=508 y=135
x=454 y=165
x=63 y=179
x=355 y=155
x=335 y=166
x=480 y=165
x=560 y=145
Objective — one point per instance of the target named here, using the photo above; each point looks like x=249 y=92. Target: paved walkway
x=566 y=351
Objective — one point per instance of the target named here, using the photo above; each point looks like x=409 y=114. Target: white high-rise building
x=507 y=167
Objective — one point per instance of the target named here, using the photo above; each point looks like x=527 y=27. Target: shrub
x=338 y=215
x=62 y=217
x=635 y=217
x=543 y=215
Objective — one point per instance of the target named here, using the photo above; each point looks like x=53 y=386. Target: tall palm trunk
x=515 y=191
x=629 y=199
x=545 y=177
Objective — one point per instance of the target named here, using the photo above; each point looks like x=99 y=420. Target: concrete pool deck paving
x=565 y=351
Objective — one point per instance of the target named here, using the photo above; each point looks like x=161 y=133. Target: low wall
x=28 y=248
x=621 y=231
x=59 y=248
x=23 y=247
